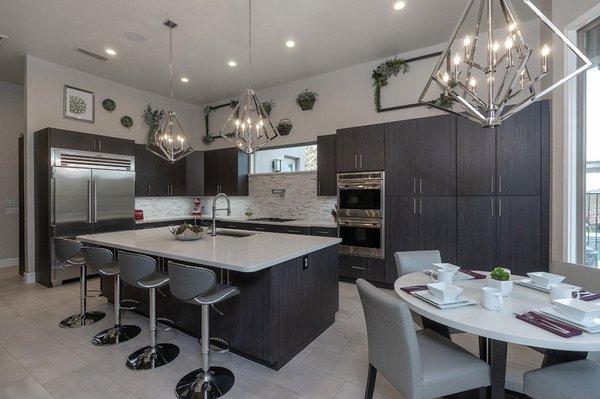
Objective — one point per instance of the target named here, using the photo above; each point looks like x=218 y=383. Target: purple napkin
x=408 y=290
x=588 y=296
x=549 y=325
x=477 y=276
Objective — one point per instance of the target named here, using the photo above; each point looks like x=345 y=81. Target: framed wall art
x=78 y=104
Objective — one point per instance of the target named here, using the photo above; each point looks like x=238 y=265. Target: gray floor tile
x=87 y=382
x=27 y=388
x=51 y=362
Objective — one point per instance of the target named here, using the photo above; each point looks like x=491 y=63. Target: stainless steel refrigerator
x=90 y=193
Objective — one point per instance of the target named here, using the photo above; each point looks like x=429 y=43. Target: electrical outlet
x=305 y=265
x=11 y=203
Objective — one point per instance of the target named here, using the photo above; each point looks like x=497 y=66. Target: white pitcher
x=492 y=298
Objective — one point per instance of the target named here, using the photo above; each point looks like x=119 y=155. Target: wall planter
x=126 y=121
x=268 y=106
x=109 y=105
x=284 y=127
x=306 y=100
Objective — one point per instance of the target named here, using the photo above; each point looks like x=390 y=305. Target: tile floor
x=40 y=360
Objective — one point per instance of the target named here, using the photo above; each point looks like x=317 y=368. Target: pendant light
x=248 y=125
x=169 y=140
x=488 y=74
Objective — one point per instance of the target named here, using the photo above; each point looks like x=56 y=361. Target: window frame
x=251 y=170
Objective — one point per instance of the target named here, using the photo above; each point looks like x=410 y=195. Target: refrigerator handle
x=53 y=199
x=94 y=189
x=89 y=189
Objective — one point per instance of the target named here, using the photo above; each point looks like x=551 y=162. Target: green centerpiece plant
x=499 y=278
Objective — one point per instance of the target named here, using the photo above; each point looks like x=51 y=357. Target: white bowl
x=447 y=266
x=544 y=279
x=505 y=287
x=444 y=291
x=577 y=310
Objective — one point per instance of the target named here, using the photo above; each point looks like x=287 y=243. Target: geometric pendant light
x=169 y=140
x=248 y=125
x=487 y=71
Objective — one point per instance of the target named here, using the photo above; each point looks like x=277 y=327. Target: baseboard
x=28 y=278
x=9 y=262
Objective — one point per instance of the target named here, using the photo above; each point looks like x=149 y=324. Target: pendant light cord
x=250 y=40
x=171 y=69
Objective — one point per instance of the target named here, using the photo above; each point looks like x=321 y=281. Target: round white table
x=498 y=327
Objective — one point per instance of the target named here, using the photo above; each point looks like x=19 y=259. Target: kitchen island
x=288 y=286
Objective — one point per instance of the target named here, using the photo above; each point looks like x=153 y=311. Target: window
x=589 y=126
x=297 y=158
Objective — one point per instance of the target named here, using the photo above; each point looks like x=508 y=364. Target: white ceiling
x=330 y=34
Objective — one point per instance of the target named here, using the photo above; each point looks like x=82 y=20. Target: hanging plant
x=152 y=119
x=445 y=101
x=127 y=121
x=383 y=73
x=268 y=106
x=284 y=127
x=306 y=99
x=109 y=105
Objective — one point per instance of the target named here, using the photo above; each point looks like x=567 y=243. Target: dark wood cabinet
x=401 y=231
x=371 y=269
x=519 y=234
x=156 y=177
x=476 y=232
x=324 y=231
x=476 y=158
x=194 y=174
x=326 y=165
x=519 y=151
x=72 y=140
x=226 y=171
x=360 y=148
x=114 y=145
x=421 y=156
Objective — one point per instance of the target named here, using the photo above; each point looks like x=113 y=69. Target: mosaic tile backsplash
x=299 y=201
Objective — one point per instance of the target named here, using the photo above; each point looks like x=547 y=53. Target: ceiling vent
x=3 y=39
x=91 y=54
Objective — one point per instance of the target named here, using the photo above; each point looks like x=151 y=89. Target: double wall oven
x=361 y=199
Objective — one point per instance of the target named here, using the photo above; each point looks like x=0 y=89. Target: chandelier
x=169 y=141
x=248 y=125
x=488 y=74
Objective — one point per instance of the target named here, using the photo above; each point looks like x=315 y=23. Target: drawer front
x=359 y=267
x=324 y=231
x=294 y=230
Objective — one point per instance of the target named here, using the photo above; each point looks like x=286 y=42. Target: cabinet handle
x=414 y=185
x=414 y=206
x=148 y=190
x=318 y=188
x=94 y=144
x=293 y=231
x=492 y=202
x=420 y=185
x=492 y=183
x=259 y=228
x=499 y=207
x=99 y=145
x=420 y=206
x=499 y=183
x=89 y=192
x=322 y=232
x=355 y=161
x=358 y=268
x=360 y=160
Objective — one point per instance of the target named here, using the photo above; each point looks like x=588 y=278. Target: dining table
x=496 y=329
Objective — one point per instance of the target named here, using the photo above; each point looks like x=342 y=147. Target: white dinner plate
x=527 y=282
x=592 y=326
x=438 y=303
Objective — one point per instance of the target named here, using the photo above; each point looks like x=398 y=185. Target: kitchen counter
x=237 y=219
x=243 y=254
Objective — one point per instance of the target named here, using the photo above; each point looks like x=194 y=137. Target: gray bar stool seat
x=102 y=259
x=141 y=271
x=579 y=379
x=69 y=254
x=198 y=286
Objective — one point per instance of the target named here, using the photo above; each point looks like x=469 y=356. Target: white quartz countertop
x=298 y=222
x=246 y=254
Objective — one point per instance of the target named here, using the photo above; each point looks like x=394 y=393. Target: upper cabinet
x=420 y=156
x=360 y=148
x=226 y=171
x=194 y=174
x=506 y=160
x=71 y=140
x=156 y=177
x=326 y=165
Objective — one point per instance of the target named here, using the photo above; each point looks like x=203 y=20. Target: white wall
x=44 y=107
x=12 y=122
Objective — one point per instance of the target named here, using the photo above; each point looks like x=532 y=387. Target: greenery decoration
x=77 y=105
x=500 y=274
x=208 y=138
x=306 y=99
x=383 y=73
x=268 y=106
x=445 y=101
x=284 y=127
x=152 y=119
x=109 y=105
x=126 y=121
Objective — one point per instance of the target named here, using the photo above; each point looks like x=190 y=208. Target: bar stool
x=199 y=286
x=140 y=271
x=102 y=259
x=68 y=253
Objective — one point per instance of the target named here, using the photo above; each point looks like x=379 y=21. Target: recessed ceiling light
x=399 y=5
x=290 y=43
x=232 y=63
x=135 y=37
x=185 y=80
x=110 y=51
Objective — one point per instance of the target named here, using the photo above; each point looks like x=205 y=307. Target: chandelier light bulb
x=495 y=47
x=467 y=41
x=472 y=82
x=446 y=77
x=508 y=43
x=545 y=50
x=456 y=60
x=512 y=27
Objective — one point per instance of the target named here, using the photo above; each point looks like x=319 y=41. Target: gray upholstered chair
x=415 y=261
x=102 y=260
x=579 y=379
x=198 y=286
x=140 y=271
x=420 y=365
x=68 y=253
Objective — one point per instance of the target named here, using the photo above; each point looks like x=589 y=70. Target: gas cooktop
x=274 y=220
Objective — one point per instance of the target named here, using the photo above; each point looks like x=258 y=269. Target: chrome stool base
x=217 y=345
x=80 y=320
x=148 y=358
x=197 y=385
x=116 y=335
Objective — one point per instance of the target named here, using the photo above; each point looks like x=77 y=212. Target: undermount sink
x=236 y=234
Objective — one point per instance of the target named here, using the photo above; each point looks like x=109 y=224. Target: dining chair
x=579 y=379
x=419 y=364
x=415 y=261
